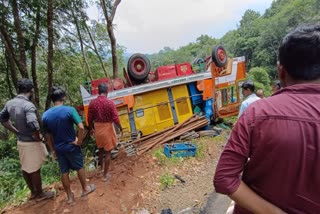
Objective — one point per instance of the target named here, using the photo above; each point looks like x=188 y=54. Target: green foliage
x=8 y=149
x=199 y=49
x=261 y=79
x=166 y=180
x=13 y=187
x=257 y=37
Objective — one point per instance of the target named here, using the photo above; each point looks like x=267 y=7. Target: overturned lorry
x=151 y=101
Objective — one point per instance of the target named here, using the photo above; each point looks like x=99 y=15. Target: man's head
x=276 y=86
x=103 y=88
x=260 y=93
x=247 y=88
x=25 y=86
x=58 y=94
x=299 y=52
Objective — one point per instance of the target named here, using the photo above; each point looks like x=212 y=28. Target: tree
x=109 y=8
x=260 y=78
x=50 y=51
x=81 y=44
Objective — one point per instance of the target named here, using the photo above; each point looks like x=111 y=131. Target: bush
x=8 y=149
x=261 y=79
x=13 y=187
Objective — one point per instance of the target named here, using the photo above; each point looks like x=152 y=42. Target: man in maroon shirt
x=275 y=145
x=102 y=114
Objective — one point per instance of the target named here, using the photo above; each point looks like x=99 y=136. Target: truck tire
x=138 y=67
x=197 y=61
x=219 y=56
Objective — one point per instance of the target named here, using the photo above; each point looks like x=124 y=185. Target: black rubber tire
x=215 y=56
x=141 y=60
x=197 y=61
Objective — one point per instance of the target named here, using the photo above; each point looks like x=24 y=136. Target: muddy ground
x=137 y=185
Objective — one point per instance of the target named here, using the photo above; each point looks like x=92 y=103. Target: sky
x=147 y=26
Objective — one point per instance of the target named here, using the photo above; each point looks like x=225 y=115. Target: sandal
x=45 y=195
x=92 y=189
x=106 y=178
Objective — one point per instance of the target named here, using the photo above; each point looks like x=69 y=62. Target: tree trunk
x=12 y=59
x=95 y=50
x=109 y=18
x=113 y=50
x=50 y=51
x=81 y=46
x=13 y=71
x=17 y=23
x=34 y=58
x=7 y=69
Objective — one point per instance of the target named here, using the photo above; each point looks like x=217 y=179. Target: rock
x=66 y=211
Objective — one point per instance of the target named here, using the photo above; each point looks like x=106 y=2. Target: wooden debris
x=146 y=143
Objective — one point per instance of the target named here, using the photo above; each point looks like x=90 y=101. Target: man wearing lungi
x=102 y=114
x=19 y=116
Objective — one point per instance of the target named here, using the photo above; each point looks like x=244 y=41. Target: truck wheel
x=197 y=61
x=219 y=56
x=138 y=67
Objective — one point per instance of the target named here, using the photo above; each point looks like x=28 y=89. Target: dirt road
x=135 y=186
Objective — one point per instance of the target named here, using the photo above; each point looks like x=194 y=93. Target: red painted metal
x=138 y=66
x=222 y=55
x=117 y=83
x=95 y=84
x=166 y=72
x=152 y=76
x=184 y=69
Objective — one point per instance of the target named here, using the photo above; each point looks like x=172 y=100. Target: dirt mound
x=135 y=185
x=120 y=194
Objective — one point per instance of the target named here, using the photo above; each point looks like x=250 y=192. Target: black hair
x=299 y=53
x=102 y=88
x=248 y=84
x=277 y=84
x=25 y=86
x=57 y=94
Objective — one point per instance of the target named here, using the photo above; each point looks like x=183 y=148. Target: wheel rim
x=138 y=66
x=221 y=55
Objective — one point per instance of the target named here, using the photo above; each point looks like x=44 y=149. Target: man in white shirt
x=248 y=93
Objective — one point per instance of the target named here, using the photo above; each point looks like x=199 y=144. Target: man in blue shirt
x=248 y=93
x=58 y=122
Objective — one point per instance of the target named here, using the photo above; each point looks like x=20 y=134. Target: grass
x=166 y=180
x=163 y=160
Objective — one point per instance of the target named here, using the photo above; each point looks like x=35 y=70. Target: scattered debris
x=189 y=135
x=208 y=133
x=180 y=178
x=186 y=211
x=144 y=144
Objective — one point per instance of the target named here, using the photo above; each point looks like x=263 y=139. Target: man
x=248 y=93
x=260 y=93
x=281 y=136
x=276 y=86
x=58 y=122
x=32 y=152
x=102 y=114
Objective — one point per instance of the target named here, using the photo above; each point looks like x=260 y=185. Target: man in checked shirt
x=102 y=114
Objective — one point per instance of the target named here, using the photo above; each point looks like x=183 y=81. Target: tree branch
x=114 y=9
